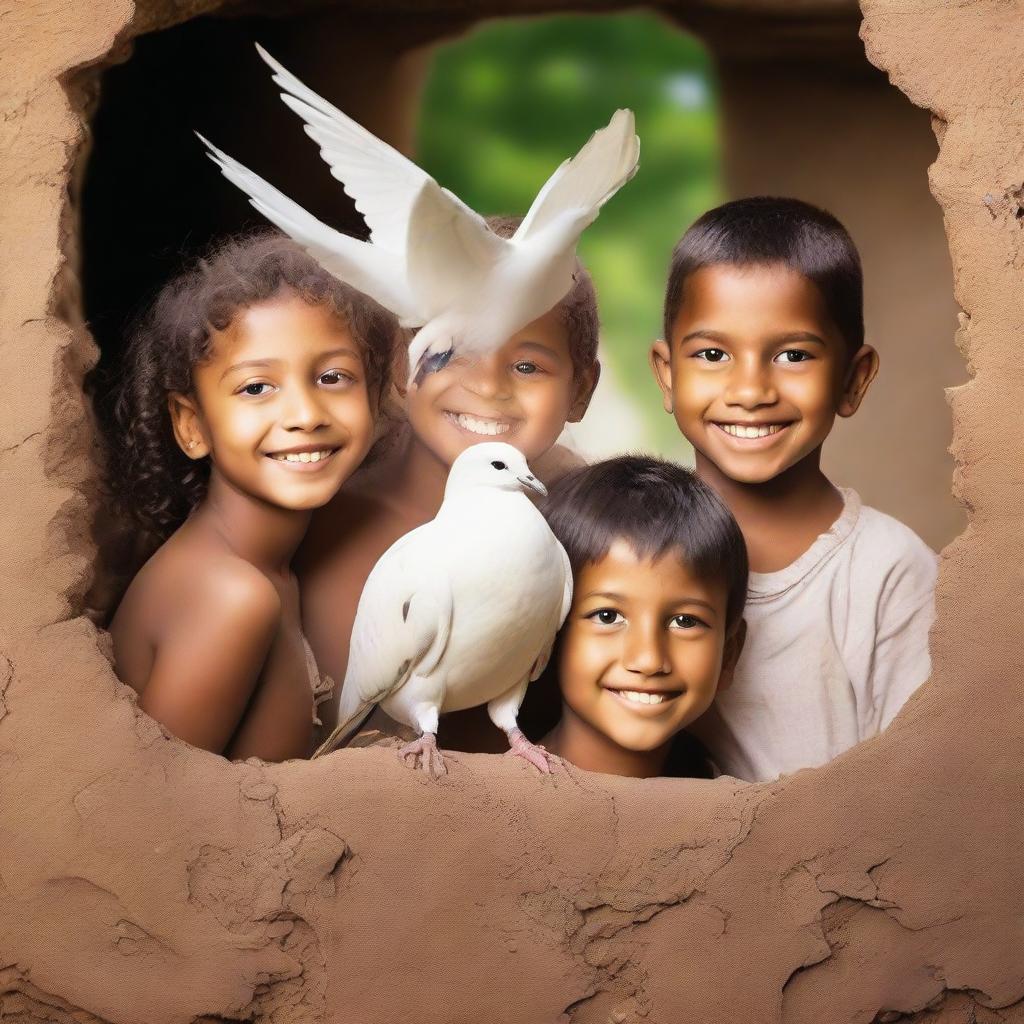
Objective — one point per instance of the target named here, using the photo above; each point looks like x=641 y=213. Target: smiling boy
x=523 y=393
x=656 y=622
x=764 y=347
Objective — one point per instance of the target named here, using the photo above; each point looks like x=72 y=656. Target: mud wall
x=142 y=880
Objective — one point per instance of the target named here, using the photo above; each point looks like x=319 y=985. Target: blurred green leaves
x=508 y=102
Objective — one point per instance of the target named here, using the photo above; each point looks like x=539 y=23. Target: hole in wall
x=150 y=196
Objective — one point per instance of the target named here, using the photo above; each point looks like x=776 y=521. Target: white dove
x=432 y=260
x=461 y=611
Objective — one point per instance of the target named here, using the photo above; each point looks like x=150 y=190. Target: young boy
x=655 y=628
x=524 y=393
x=763 y=348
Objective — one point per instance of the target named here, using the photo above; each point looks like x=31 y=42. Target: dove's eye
x=499 y=465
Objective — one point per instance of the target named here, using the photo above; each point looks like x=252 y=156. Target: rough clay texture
x=142 y=880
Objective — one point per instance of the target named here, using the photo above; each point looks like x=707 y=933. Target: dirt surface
x=142 y=880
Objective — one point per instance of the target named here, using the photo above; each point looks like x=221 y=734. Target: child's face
x=281 y=406
x=524 y=393
x=755 y=370
x=643 y=648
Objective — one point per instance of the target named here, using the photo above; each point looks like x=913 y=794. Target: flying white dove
x=432 y=260
x=461 y=611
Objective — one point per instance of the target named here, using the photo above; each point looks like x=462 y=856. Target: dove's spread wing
x=372 y=270
x=451 y=252
x=402 y=626
x=586 y=181
x=382 y=183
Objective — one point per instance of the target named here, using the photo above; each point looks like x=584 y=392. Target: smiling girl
x=249 y=396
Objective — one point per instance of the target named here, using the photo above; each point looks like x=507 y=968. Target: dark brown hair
x=157 y=484
x=578 y=309
x=656 y=507
x=768 y=231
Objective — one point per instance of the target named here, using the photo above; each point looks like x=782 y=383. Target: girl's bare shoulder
x=189 y=579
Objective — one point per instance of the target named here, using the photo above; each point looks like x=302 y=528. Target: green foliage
x=508 y=102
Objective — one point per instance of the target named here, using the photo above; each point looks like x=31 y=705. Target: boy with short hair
x=763 y=348
x=524 y=393
x=656 y=623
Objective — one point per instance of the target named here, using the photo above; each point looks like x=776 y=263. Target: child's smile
x=482 y=426
x=523 y=394
x=281 y=404
x=756 y=371
x=642 y=648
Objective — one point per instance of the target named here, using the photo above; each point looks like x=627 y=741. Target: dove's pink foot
x=520 y=746
x=423 y=753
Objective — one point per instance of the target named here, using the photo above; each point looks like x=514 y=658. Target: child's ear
x=661 y=363
x=731 y=654
x=861 y=372
x=188 y=425
x=584 y=392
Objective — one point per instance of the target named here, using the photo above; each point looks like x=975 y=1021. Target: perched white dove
x=432 y=260
x=461 y=611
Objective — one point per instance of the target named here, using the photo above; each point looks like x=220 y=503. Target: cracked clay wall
x=142 y=880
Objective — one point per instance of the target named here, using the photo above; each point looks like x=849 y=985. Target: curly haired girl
x=249 y=396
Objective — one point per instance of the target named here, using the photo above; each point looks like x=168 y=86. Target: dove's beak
x=533 y=484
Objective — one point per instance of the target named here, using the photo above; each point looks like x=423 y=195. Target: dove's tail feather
x=608 y=160
x=346 y=727
x=357 y=263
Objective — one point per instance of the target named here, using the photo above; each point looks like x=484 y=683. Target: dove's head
x=493 y=464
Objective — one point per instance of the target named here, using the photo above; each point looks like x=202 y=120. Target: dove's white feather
x=464 y=610
x=370 y=269
x=589 y=179
x=381 y=181
x=452 y=255
x=431 y=259
x=404 y=615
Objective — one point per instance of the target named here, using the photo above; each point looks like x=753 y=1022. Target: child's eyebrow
x=799 y=336
x=248 y=364
x=547 y=349
x=343 y=351
x=706 y=334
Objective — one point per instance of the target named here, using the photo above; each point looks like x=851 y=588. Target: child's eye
x=686 y=622
x=793 y=355
x=711 y=355
x=256 y=388
x=524 y=366
x=332 y=378
x=606 y=616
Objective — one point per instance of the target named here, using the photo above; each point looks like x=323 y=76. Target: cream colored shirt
x=836 y=642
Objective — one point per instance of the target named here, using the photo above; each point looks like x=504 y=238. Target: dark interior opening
x=150 y=196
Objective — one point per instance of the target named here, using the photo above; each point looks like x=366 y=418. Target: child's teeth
x=738 y=430
x=477 y=426
x=643 y=698
x=303 y=456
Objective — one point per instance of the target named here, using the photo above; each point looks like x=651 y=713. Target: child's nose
x=303 y=410
x=645 y=652
x=750 y=384
x=484 y=376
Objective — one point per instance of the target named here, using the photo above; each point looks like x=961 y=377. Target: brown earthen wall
x=142 y=880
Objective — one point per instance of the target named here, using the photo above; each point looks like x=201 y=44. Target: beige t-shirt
x=836 y=642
